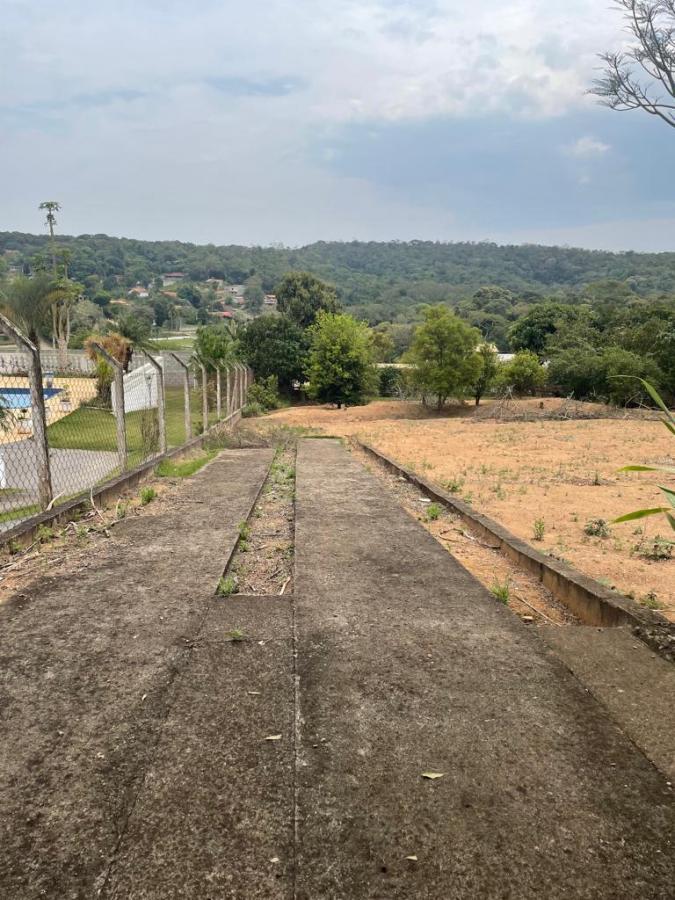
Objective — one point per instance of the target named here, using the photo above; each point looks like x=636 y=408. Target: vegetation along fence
x=66 y=430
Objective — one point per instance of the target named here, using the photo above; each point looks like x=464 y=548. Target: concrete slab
x=214 y=817
x=89 y=666
x=407 y=665
x=631 y=681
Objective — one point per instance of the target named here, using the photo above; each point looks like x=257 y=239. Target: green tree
x=489 y=366
x=523 y=374
x=192 y=294
x=383 y=346
x=532 y=331
x=340 y=365
x=444 y=356
x=273 y=345
x=135 y=331
x=51 y=207
x=589 y=374
x=254 y=294
x=27 y=302
x=301 y=296
x=216 y=344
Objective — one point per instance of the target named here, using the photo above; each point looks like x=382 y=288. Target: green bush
x=524 y=374
x=252 y=409
x=264 y=393
x=589 y=374
x=391 y=381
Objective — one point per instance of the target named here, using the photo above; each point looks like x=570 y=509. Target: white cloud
x=359 y=58
x=587 y=148
x=154 y=118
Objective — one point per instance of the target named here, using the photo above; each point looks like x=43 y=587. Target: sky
x=290 y=121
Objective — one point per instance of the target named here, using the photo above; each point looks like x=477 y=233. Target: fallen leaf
x=413 y=858
x=273 y=737
x=275 y=859
x=432 y=776
x=254 y=693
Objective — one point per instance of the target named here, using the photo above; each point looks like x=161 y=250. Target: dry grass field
x=548 y=481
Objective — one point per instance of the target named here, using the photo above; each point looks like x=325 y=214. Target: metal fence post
x=205 y=399
x=39 y=414
x=120 y=421
x=228 y=398
x=186 y=390
x=161 y=408
x=237 y=387
x=218 y=391
x=242 y=387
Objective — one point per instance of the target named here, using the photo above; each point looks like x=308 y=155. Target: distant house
x=139 y=292
x=172 y=278
x=222 y=314
x=270 y=300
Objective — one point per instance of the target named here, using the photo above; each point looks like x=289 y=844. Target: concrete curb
x=25 y=532
x=593 y=603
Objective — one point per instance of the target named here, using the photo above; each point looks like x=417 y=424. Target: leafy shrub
x=252 y=409
x=590 y=374
x=264 y=393
x=539 y=529
x=524 y=374
x=656 y=549
x=391 y=381
x=668 y=491
x=597 y=528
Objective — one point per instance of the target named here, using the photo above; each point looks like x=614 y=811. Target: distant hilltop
x=365 y=273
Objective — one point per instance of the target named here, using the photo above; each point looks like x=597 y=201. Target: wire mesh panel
x=80 y=434
x=96 y=426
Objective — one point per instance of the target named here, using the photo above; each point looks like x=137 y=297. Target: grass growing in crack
x=650 y=601
x=454 y=484
x=236 y=635
x=501 y=590
x=539 y=530
x=226 y=586
x=244 y=537
x=147 y=495
x=434 y=511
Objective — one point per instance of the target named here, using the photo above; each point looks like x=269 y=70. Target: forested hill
x=390 y=275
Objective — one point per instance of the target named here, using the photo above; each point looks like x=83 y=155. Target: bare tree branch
x=643 y=75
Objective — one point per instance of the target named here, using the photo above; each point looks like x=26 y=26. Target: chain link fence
x=67 y=429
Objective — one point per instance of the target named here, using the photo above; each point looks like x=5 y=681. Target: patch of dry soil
x=529 y=468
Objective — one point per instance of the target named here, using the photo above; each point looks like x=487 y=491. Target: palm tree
x=52 y=207
x=27 y=301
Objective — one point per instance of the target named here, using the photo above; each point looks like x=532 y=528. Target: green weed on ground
x=169 y=469
x=434 y=511
x=147 y=495
x=226 y=586
x=501 y=590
